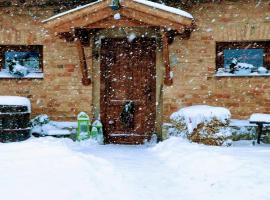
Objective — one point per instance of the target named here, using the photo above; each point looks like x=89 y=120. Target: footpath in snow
x=59 y=169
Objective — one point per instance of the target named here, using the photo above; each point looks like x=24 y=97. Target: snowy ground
x=59 y=169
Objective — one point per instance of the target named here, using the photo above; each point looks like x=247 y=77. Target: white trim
x=70 y=11
x=165 y=8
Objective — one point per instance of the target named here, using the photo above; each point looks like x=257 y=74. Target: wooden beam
x=111 y=22
x=166 y=59
x=82 y=20
x=151 y=19
x=83 y=65
x=157 y=12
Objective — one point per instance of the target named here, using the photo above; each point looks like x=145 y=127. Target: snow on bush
x=42 y=126
x=203 y=124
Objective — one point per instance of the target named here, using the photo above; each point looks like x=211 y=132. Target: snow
x=50 y=168
x=58 y=132
x=117 y=16
x=240 y=123
x=71 y=11
x=260 y=117
x=19 y=69
x=194 y=115
x=262 y=70
x=131 y=37
x=165 y=8
x=6 y=74
x=226 y=74
x=14 y=101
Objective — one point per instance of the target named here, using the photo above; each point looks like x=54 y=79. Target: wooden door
x=128 y=78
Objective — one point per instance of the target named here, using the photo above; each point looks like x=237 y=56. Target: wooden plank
x=83 y=20
x=166 y=59
x=157 y=12
x=111 y=22
x=77 y=14
x=151 y=19
x=83 y=65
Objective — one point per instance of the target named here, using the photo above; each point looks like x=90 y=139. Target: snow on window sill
x=242 y=75
x=34 y=75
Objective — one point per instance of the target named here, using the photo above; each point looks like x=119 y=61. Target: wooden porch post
x=165 y=52
x=83 y=65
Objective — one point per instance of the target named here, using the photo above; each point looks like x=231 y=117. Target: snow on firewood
x=203 y=124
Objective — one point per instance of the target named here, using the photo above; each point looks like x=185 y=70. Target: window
x=243 y=58
x=21 y=61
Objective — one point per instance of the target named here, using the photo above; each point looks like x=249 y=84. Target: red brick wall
x=60 y=94
x=194 y=80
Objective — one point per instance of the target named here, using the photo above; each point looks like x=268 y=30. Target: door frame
x=95 y=47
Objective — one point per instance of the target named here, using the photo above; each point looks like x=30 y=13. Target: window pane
x=248 y=56
x=29 y=60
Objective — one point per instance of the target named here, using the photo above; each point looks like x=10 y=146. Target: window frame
x=221 y=46
x=22 y=48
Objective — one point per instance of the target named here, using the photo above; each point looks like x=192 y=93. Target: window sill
x=6 y=75
x=244 y=75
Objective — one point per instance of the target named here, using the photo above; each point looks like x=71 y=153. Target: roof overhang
x=139 y=13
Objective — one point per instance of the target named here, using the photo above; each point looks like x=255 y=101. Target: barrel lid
x=15 y=101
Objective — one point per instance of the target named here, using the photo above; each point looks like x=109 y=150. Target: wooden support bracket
x=83 y=65
x=166 y=59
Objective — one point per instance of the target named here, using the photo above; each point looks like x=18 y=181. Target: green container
x=83 y=130
x=97 y=132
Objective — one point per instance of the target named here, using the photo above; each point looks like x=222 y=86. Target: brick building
x=198 y=49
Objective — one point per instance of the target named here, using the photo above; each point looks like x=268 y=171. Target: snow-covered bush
x=203 y=124
x=42 y=126
x=40 y=120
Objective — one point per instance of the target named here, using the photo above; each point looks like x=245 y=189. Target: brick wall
x=194 y=81
x=60 y=94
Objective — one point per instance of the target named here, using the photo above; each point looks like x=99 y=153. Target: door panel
x=128 y=75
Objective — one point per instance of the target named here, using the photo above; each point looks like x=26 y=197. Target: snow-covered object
x=40 y=120
x=15 y=100
x=262 y=70
x=195 y=115
x=82 y=115
x=131 y=37
x=19 y=70
x=260 y=117
x=165 y=8
x=97 y=123
x=117 y=16
x=243 y=68
x=41 y=125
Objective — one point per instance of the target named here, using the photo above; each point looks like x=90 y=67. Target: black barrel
x=14 y=123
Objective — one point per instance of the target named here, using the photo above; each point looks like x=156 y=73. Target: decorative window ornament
x=127 y=114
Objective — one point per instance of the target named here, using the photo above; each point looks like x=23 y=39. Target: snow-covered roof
x=165 y=8
x=14 y=101
x=71 y=11
x=144 y=2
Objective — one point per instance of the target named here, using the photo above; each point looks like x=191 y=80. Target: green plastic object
x=83 y=130
x=97 y=131
x=94 y=132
